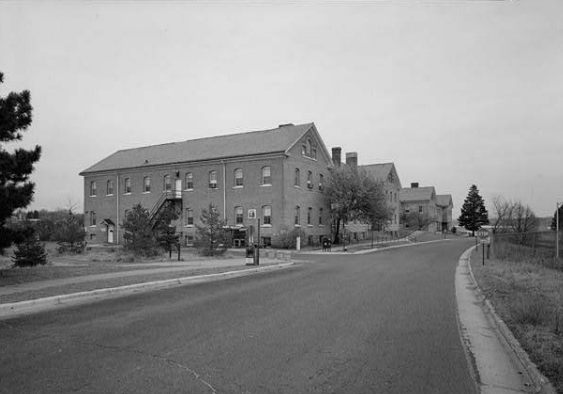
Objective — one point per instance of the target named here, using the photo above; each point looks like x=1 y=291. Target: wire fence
x=539 y=247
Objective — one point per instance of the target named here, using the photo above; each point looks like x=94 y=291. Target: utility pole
x=557 y=231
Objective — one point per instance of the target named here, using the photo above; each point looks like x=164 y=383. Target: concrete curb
x=41 y=304
x=541 y=383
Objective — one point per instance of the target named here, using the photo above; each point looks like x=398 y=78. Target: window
x=267 y=214
x=93 y=188
x=267 y=242
x=189 y=181
x=189 y=240
x=266 y=175
x=238 y=215
x=109 y=188
x=297 y=177
x=213 y=179
x=320 y=216
x=167 y=183
x=147 y=185
x=391 y=178
x=407 y=210
x=420 y=209
x=189 y=217
x=309 y=216
x=297 y=215
x=92 y=218
x=309 y=180
x=309 y=147
x=314 y=153
x=321 y=182
x=303 y=149
x=238 y=177
x=127 y=186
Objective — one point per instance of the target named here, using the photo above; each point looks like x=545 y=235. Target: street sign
x=483 y=234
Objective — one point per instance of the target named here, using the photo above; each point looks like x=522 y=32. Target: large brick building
x=274 y=175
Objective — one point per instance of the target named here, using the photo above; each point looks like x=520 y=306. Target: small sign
x=252 y=213
x=483 y=234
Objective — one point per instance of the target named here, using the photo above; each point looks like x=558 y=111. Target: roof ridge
x=212 y=137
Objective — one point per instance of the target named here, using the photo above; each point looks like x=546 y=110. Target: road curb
x=542 y=384
x=13 y=309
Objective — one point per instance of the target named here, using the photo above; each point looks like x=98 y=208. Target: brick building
x=418 y=208
x=274 y=175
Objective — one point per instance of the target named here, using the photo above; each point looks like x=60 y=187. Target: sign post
x=484 y=235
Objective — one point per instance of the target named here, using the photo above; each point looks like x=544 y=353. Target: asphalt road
x=377 y=323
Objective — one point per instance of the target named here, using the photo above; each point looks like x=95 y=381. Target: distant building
x=387 y=174
x=419 y=208
x=275 y=175
x=444 y=205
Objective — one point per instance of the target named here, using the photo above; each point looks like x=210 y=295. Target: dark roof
x=379 y=171
x=424 y=193
x=280 y=139
x=444 y=200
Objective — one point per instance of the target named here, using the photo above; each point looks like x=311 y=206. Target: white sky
x=453 y=92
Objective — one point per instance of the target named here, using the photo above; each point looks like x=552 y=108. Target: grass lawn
x=529 y=298
x=91 y=262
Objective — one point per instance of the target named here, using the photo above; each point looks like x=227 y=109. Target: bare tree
x=503 y=213
x=523 y=219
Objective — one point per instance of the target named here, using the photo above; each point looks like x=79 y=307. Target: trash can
x=250 y=255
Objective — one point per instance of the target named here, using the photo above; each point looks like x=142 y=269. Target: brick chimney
x=414 y=185
x=352 y=159
x=336 y=156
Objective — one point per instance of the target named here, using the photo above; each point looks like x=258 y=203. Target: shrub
x=288 y=240
x=29 y=253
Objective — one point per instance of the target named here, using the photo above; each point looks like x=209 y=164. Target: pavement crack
x=166 y=359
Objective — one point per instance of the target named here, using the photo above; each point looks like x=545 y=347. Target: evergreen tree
x=29 y=253
x=211 y=238
x=165 y=232
x=554 y=220
x=139 y=235
x=15 y=167
x=473 y=212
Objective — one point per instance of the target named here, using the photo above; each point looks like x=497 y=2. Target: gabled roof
x=425 y=193
x=278 y=140
x=381 y=171
x=444 y=200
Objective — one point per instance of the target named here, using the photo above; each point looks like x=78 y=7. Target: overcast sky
x=453 y=92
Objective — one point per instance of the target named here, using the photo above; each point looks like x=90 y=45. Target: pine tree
x=211 y=239
x=16 y=190
x=139 y=235
x=29 y=253
x=473 y=212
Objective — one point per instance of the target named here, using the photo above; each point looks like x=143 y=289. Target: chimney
x=414 y=185
x=285 y=125
x=336 y=156
x=352 y=159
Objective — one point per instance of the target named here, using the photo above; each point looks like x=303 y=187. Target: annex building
x=275 y=175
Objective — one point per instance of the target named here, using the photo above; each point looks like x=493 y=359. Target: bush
x=30 y=253
x=288 y=240
x=211 y=238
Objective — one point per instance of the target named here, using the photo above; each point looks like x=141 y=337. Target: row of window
x=239 y=216
x=297 y=179
x=238 y=181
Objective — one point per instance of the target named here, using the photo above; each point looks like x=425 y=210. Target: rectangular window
x=309 y=180
x=189 y=217
x=297 y=215
x=213 y=179
x=321 y=181
x=109 y=188
x=92 y=218
x=189 y=240
x=267 y=214
x=93 y=189
x=239 y=215
x=266 y=175
x=266 y=242
x=238 y=177
x=189 y=181
x=127 y=186
x=297 y=181
x=167 y=183
x=320 y=216
x=147 y=185
x=420 y=209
